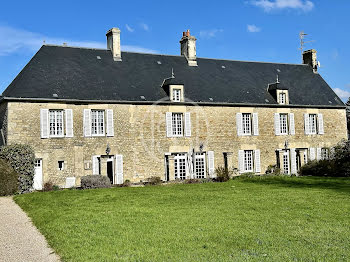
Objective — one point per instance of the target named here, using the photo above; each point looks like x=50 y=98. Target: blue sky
x=259 y=30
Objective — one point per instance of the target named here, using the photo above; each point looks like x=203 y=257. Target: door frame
x=35 y=173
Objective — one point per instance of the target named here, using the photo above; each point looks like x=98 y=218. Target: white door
x=180 y=166
x=200 y=165
x=38 y=175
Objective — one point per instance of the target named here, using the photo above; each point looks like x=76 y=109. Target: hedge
x=8 y=178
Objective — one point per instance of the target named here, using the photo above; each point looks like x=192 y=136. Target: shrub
x=273 y=170
x=48 y=186
x=95 y=181
x=8 y=178
x=248 y=175
x=223 y=174
x=153 y=181
x=21 y=158
x=126 y=183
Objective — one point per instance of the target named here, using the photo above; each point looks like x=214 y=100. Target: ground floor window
x=180 y=166
x=200 y=165
x=248 y=160
x=324 y=153
x=286 y=163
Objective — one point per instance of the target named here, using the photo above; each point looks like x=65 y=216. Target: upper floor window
x=313 y=124
x=56 y=123
x=97 y=122
x=282 y=98
x=247 y=124
x=284 y=124
x=176 y=94
x=177 y=124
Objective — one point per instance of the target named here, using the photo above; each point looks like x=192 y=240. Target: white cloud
x=210 y=33
x=253 y=29
x=144 y=26
x=269 y=5
x=343 y=94
x=15 y=40
x=129 y=28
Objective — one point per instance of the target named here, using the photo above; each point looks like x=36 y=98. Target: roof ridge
x=206 y=58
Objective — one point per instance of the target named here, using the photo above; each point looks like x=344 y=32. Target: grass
x=259 y=219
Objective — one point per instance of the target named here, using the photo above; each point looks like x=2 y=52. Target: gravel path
x=20 y=240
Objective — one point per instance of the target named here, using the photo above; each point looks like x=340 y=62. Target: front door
x=38 y=174
x=110 y=170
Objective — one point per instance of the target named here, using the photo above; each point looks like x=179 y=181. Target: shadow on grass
x=335 y=183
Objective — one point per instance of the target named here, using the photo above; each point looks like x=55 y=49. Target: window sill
x=98 y=135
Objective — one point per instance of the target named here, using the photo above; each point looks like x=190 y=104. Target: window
x=177 y=124
x=312 y=124
x=246 y=123
x=61 y=165
x=180 y=166
x=282 y=98
x=176 y=95
x=97 y=122
x=324 y=153
x=286 y=163
x=200 y=165
x=56 y=123
x=284 y=124
x=248 y=161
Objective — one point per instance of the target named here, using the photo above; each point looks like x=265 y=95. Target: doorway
x=38 y=174
x=110 y=170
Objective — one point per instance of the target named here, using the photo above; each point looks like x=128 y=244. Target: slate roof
x=77 y=73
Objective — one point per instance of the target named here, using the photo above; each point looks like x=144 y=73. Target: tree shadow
x=334 y=183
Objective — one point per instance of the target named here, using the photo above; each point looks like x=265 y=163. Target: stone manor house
x=130 y=116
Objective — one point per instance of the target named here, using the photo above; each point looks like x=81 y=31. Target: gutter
x=162 y=102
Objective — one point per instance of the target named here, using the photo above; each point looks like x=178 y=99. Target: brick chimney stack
x=188 y=48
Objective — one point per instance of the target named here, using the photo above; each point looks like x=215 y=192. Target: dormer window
x=282 y=98
x=177 y=95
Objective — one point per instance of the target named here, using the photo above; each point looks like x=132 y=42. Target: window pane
x=284 y=124
x=246 y=123
x=97 y=122
x=248 y=160
x=177 y=124
x=56 y=122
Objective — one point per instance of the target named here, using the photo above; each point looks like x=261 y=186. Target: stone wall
x=140 y=136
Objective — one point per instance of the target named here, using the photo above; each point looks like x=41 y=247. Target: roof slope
x=77 y=73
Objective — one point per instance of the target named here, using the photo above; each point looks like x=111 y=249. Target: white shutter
x=69 y=122
x=257 y=161
x=293 y=156
x=318 y=153
x=211 y=165
x=291 y=124
x=187 y=124
x=277 y=124
x=95 y=165
x=87 y=122
x=256 y=124
x=320 y=124
x=312 y=154
x=44 y=123
x=241 y=161
x=110 y=123
x=119 y=169
x=169 y=127
x=307 y=124
x=239 y=124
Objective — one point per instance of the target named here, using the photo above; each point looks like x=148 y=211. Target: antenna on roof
x=302 y=42
x=277 y=80
x=172 y=73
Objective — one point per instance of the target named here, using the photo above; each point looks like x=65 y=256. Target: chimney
x=188 y=48
x=113 y=43
x=310 y=58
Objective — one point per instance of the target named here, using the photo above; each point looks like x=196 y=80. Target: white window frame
x=180 y=166
x=246 y=124
x=200 y=165
x=282 y=98
x=312 y=124
x=248 y=161
x=56 y=113
x=176 y=94
x=285 y=163
x=283 y=124
x=177 y=123
x=96 y=121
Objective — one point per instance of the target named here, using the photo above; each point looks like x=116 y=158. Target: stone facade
x=140 y=136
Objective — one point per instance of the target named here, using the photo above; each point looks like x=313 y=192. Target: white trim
x=188 y=124
x=211 y=164
x=110 y=122
x=291 y=124
x=44 y=123
x=320 y=124
x=69 y=122
x=255 y=124
x=257 y=161
x=277 y=124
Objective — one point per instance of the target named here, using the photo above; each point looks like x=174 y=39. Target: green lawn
x=260 y=219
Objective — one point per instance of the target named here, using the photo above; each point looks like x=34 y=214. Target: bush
x=21 y=158
x=338 y=165
x=273 y=170
x=95 y=181
x=8 y=178
x=153 y=181
x=126 y=183
x=248 y=175
x=223 y=174
x=48 y=186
